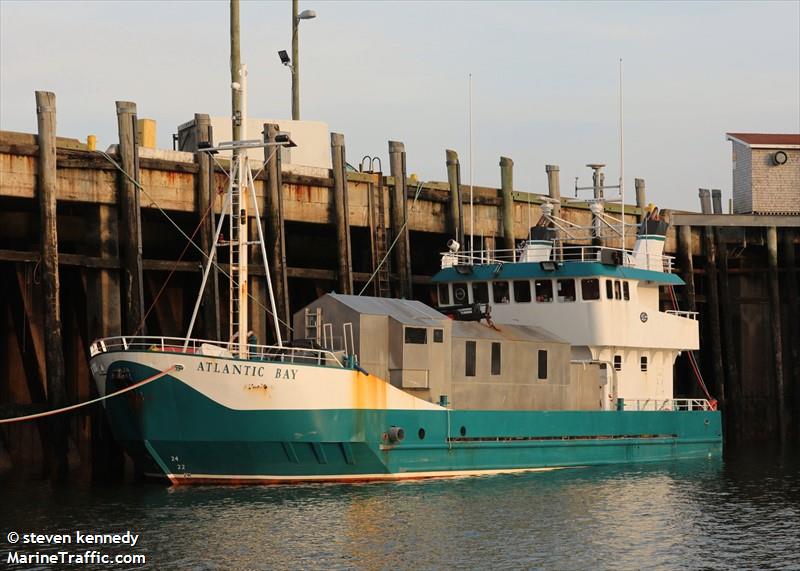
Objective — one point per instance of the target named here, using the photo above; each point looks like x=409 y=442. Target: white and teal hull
x=230 y=421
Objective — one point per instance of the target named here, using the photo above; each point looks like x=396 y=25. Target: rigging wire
x=180 y=230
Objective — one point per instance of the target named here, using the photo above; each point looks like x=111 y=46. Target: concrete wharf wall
x=741 y=273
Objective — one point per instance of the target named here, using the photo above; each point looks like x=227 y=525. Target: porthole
x=421 y=434
x=463 y=431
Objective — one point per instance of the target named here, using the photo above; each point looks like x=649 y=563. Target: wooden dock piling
x=54 y=351
x=206 y=195
x=341 y=210
x=397 y=165
x=455 y=211
x=130 y=236
x=507 y=189
x=276 y=227
x=775 y=326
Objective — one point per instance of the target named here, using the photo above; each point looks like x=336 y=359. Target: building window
x=496 y=353
x=609 y=289
x=469 y=368
x=590 y=289
x=566 y=290
x=542 y=373
x=416 y=335
x=626 y=291
x=617 y=290
x=444 y=294
x=460 y=295
x=544 y=290
x=480 y=292
x=438 y=335
x=522 y=291
x=500 y=292
x=617 y=362
x=643 y=361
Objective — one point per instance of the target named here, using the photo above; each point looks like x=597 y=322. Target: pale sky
x=545 y=79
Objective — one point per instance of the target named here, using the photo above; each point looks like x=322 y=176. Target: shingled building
x=766 y=173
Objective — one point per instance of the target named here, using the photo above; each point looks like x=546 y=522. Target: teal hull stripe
x=180 y=431
x=531 y=270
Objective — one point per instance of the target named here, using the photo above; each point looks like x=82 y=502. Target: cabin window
x=469 y=358
x=617 y=362
x=542 y=368
x=566 y=290
x=643 y=362
x=496 y=354
x=617 y=290
x=444 y=294
x=460 y=295
x=590 y=289
x=500 y=292
x=522 y=291
x=416 y=335
x=480 y=292
x=626 y=291
x=609 y=289
x=438 y=335
x=544 y=290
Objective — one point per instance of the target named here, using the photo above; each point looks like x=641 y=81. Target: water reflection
x=740 y=513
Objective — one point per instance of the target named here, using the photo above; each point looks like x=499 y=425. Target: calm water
x=740 y=513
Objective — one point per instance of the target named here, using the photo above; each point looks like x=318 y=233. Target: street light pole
x=295 y=63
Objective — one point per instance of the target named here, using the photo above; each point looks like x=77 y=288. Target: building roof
x=402 y=310
x=766 y=140
x=504 y=332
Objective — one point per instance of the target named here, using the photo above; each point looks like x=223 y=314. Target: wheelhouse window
x=522 y=291
x=617 y=362
x=643 y=362
x=496 y=355
x=590 y=289
x=480 y=292
x=617 y=289
x=416 y=335
x=609 y=289
x=469 y=359
x=460 y=295
x=438 y=335
x=500 y=292
x=542 y=364
x=626 y=291
x=566 y=290
x=444 y=294
x=544 y=290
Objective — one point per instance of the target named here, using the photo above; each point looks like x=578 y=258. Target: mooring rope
x=87 y=403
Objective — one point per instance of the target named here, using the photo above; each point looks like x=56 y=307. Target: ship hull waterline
x=273 y=423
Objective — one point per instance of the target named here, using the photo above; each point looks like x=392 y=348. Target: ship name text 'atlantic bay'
x=289 y=374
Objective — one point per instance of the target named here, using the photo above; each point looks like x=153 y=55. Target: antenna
x=471 y=210
x=621 y=158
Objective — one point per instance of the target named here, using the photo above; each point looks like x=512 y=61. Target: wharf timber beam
x=206 y=195
x=341 y=205
x=399 y=202
x=54 y=352
x=276 y=227
x=130 y=236
x=687 y=264
x=507 y=188
x=751 y=220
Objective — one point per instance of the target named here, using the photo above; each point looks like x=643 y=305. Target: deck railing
x=668 y=404
x=686 y=314
x=209 y=348
x=563 y=254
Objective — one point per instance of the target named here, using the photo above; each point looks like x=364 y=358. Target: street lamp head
x=306 y=15
x=285 y=59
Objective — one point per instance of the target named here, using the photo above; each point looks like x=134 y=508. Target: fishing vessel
x=554 y=354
